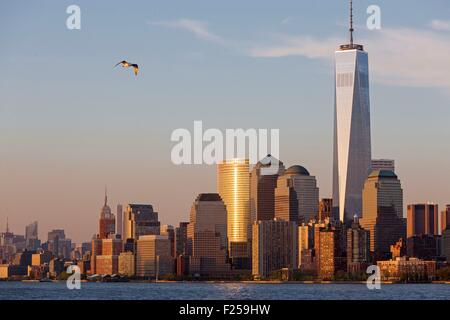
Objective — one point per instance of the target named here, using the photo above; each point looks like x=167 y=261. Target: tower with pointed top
x=107 y=223
x=352 y=142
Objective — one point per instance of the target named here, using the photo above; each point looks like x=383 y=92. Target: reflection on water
x=220 y=291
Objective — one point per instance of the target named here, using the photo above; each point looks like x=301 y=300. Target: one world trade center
x=352 y=143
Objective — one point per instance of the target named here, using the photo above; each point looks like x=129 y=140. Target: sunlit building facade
x=383 y=164
x=140 y=220
x=207 y=236
x=423 y=219
x=263 y=181
x=274 y=247
x=445 y=219
x=153 y=257
x=296 y=196
x=352 y=142
x=382 y=211
x=233 y=185
x=107 y=222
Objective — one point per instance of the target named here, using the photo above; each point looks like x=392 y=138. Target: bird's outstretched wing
x=123 y=62
x=135 y=68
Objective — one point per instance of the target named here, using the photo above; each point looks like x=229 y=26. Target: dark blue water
x=221 y=291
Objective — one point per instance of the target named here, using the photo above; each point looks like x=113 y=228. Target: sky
x=71 y=123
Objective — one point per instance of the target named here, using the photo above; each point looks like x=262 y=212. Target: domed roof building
x=296 y=195
x=297 y=170
x=263 y=181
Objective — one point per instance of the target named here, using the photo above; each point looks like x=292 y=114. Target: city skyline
x=100 y=129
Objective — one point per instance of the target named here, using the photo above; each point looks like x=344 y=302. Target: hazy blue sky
x=70 y=123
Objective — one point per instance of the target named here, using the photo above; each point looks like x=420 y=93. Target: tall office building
x=169 y=231
x=181 y=239
x=383 y=164
x=31 y=236
x=107 y=255
x=127 y=264
x=55 y=239
x=274 y=246
x=263 y=181
x=358 y=248
x=305 y=242
x=331 y=254
x=382 y=212
x=385 y=188
x=153 y=257
x=233 y=185
x=96 y=250
x=422 y=219
x=140 y=220
x=445 y=219
x=119 y=222
x=296 y=184
x=207 y=236
x=326 y=210
x=424 y=246
x=352 y=142
x=107 y=222
x=112 y=246
x=446 y=243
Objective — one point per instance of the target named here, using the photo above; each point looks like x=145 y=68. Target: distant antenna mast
x=351 y=23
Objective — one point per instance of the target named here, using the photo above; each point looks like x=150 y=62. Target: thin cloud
x=402 y=56
x=440 y=25
x=198 y=28
x=406 y=57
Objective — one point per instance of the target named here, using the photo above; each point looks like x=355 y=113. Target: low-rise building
x=107 y=264
x=9 y=271
x=408 y=269
x=127 y=266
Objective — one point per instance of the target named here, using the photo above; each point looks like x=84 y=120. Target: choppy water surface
x=220 y=291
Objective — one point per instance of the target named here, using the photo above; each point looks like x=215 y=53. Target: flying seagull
x=126 y=64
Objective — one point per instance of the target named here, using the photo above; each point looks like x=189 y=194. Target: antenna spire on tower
x=351 y=22
x=7 y=225
x=106 y=195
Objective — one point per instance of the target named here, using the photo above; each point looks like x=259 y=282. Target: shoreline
x=266 y=282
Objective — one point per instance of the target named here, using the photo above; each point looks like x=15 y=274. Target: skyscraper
x=326 y=209
x=445 y=219
x=446 y=243
x=352 y=142
x=119 y=216
x=107 y=222
x=233 y=185
x=181 y=239
x=274 y=246
x=262 y=189
x=358 y=248
x=55 y=239
x=422 y=219
x=31 y=236
x=383 y=164
x=331 y=254
x=305 y=241
x=381 y=214
x=153 y=257
x=140 y=220
x=207 y=236
x=296 y=184
x=169 y=231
